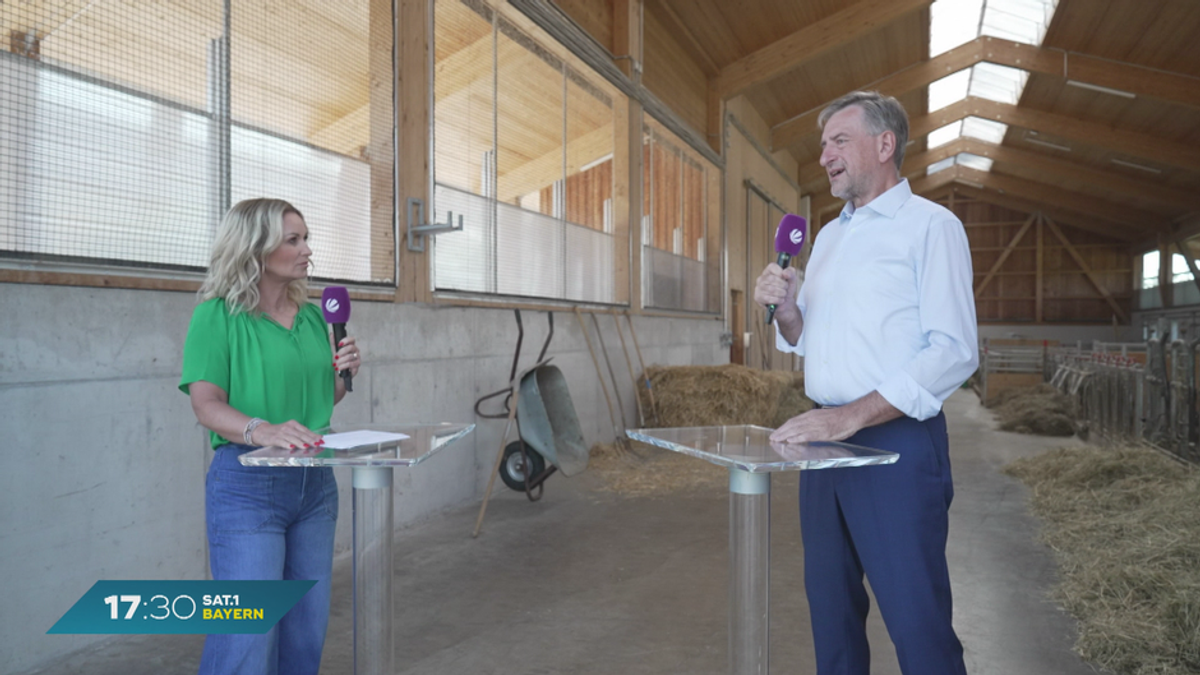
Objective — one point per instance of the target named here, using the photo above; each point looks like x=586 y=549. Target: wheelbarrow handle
x=494 y=394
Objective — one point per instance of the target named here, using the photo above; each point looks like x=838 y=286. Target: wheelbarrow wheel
x=513 y=469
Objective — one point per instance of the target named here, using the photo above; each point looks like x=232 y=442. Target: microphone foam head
x=789 y=238
x=335 y=304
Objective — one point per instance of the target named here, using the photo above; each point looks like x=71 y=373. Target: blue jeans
x=271 y=523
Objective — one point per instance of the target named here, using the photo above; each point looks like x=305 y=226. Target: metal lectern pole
x=374 y=652
x=749 y=571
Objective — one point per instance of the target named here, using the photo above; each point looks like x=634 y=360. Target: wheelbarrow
x=548 y=435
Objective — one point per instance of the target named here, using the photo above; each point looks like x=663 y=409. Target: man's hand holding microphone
x=779 y=283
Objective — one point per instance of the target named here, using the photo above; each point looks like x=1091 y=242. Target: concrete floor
x=587 y=581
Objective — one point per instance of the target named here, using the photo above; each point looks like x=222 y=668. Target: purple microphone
x=789 y=239
x=335 y=304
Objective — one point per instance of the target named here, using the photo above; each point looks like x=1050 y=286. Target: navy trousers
x=889 y=522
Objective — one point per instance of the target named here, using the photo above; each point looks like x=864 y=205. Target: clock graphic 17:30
x=177 y=607
x=160 y=606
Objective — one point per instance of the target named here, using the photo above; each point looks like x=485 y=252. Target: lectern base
x=749 y=572
x=374 y=652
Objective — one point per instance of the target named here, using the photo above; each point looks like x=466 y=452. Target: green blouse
x=267 y=370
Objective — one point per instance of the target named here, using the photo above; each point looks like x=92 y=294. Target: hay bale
x=696 y=396
x=1041 y=410
x=701 y=396
x=1122 y=524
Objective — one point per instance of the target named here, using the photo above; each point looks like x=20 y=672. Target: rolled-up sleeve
x=947 y=313
x=783 y=345
x=781 y=342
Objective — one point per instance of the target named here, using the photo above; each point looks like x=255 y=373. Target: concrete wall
x=105 y=461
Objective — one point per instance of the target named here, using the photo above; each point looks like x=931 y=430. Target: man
x=885 y=318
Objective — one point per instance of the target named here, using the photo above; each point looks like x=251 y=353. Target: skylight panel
x=949 y=89
x=956 y=22
x=984 y=130
x=944 y=135
x=975 y=161
x=963 y=158
x=997 y=83
x=940 y=166
x=953 y=23
x=1018 y=20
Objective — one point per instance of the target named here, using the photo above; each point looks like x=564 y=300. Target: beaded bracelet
x=250 y=427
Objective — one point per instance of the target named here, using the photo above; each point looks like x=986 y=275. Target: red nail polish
x=292 y=447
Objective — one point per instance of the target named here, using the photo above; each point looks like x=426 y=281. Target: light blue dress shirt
x=888 y=306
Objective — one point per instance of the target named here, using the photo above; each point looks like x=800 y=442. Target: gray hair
x=249 y=232
x=882 y=113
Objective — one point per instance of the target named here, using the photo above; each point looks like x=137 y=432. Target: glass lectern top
x=423 y=441
x=749 y=448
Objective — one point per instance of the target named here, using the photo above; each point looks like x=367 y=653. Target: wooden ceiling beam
x=920 y=74
x=1016 y=203
x=1102 y=135
x=1138 y=80
x=915 y=165
x=923 y=184
x=856 y=21
x=1019 y=202
x=1054 y=169
x=1081 y=203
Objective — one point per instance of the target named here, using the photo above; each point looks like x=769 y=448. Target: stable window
x=680 y=221
x=130 y=128
x=523 y=151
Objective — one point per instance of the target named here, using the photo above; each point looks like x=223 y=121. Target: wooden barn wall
x=669 y=71
x=594 y=16
x=748 y=250
x=1067 y=295
x=672 y=75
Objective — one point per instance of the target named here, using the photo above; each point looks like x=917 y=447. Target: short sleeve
x=206 y=349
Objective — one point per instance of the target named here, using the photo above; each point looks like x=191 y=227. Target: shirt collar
x=887 y=204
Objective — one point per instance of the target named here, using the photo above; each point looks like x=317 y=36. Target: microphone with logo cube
x=335 y=305
x=789 y=241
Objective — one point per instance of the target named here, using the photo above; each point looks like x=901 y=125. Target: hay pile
x=1124 y=529
x=696 y=396
x=705 y=396
x=648 y=471
x=1041 y=410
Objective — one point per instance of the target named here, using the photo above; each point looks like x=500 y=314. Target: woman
x=256 y=365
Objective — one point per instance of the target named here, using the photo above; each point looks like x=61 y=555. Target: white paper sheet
x=352 y=439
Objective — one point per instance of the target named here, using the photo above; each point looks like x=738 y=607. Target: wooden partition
x=1031 y=269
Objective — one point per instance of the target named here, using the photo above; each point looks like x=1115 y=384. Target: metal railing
x=1140 y=392
x=1006 y=362
x=1108 y=389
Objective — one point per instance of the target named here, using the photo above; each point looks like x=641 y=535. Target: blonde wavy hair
x=249 y=232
